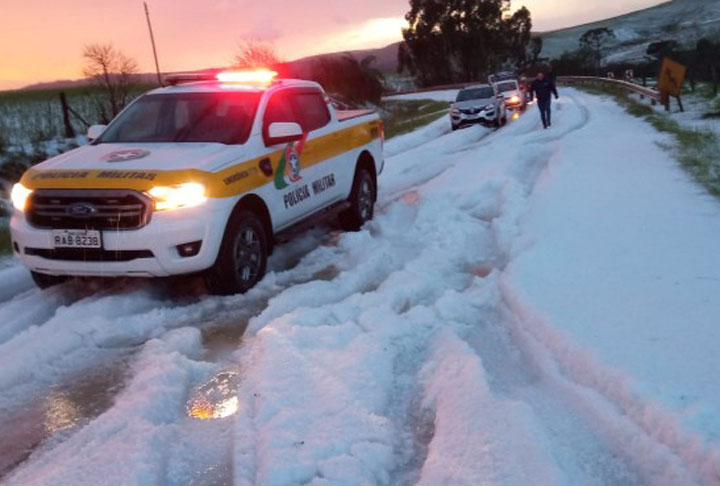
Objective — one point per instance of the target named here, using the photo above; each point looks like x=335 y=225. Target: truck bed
x=345 y=115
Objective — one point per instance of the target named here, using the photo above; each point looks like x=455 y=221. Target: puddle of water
x=54 y=416
x=215 y=399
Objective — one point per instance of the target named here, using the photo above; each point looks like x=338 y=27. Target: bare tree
x=255 y=53
x=112 y=71
x=594 y=41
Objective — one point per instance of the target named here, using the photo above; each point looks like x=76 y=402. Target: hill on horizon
x=685 y=21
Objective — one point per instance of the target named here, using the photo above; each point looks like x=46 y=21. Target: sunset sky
x=42 y=40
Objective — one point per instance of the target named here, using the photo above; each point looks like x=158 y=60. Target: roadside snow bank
x=625 y=263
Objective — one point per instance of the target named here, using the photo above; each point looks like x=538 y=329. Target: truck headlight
x=178 y=196
x=19 y=196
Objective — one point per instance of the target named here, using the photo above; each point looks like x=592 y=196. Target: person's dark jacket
x=542 y=90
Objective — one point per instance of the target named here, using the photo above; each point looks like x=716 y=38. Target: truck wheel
x=242 y=260
x=45 y=281
x=362 y=202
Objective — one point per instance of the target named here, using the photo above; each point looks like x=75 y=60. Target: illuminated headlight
x=178 y=196
x=19 y=196
x=514 y=99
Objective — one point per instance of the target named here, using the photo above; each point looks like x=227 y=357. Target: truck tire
x=45 y=281
x=242 y=260
x=362 y=202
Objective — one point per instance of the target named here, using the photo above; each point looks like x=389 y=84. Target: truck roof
x=218 y=87
x=209 y=84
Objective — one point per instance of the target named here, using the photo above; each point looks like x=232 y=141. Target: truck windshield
x=475 y=94
x=185 y=117
x=506 y=86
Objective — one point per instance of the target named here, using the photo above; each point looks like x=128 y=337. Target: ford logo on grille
x=81 y=209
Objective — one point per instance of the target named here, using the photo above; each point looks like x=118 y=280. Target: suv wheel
x=362 y=202
x=242 y=260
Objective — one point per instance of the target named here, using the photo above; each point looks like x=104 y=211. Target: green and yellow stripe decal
x=240 y=178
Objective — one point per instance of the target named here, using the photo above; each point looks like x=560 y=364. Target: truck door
x=303 y=178
x=324 y=151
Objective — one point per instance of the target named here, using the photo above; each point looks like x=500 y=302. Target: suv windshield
x=475 y=94
x=185 y=117
x=507 y=86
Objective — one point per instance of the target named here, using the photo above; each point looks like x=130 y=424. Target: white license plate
x=76 y=239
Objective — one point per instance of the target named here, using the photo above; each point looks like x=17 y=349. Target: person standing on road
x=542 y=89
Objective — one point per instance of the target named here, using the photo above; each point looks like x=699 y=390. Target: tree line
x=702 y=59
x=463 y=40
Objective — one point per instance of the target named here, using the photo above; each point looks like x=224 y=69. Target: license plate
x=76 y=239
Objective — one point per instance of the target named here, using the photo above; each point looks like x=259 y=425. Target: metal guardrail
x=654 y=95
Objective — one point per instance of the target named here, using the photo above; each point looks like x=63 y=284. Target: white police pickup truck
x=198 y=177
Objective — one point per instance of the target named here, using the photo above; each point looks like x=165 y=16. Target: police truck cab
x=198 y=177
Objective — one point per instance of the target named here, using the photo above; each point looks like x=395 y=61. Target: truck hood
x=146 y=156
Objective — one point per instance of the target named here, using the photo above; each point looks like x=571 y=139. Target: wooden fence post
x=69 y=132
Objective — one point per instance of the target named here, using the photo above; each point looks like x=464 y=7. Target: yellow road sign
x=672 y=76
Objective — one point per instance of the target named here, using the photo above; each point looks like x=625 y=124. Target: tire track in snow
x=74 y=350
x=593 y=437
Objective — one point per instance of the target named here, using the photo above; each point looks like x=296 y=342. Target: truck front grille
x=89 y=255
x=112 y=209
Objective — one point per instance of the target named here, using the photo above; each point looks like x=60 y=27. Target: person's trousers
x=545 y=112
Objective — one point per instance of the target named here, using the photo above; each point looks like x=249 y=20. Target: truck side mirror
x=95 y=131
x=283 y=132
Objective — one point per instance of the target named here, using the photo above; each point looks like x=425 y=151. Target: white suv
x=478 y=104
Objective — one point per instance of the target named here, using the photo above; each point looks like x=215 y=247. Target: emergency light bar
x=258 y=77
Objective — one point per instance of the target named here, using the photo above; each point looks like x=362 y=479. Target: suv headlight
x=489 y=107
x=19 y=196
x=455 y=111
x=178 y=196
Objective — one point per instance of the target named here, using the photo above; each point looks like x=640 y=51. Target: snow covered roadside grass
x=696 y=144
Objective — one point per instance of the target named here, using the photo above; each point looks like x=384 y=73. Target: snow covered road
x=505 y=320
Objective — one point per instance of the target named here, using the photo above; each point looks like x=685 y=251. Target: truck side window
x=279 y=109
x=311 y=110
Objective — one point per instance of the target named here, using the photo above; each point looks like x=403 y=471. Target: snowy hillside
x=685 y=21
x=529 y=307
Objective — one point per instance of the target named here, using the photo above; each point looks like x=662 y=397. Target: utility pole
x=152 y=40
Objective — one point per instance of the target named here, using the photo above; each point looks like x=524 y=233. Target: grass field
x=34 y=116
x=696 y=150
x=404 y=116
x=5 y=248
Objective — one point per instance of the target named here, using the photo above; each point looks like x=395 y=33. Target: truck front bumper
x=151 y=251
